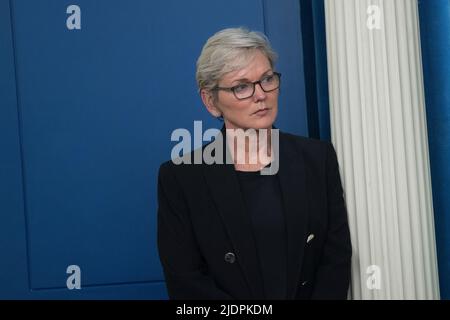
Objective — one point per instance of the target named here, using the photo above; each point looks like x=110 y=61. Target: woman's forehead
x=257 y=65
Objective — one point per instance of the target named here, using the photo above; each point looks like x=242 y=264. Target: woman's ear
x=208 y=101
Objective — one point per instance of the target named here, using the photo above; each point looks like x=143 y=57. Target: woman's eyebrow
x=248 y=80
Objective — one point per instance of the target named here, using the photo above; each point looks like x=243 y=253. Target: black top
x=262 y=196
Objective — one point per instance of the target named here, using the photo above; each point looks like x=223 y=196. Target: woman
x=225 y=231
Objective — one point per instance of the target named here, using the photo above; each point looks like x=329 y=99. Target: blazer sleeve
x=184 y=268
x=333 y=274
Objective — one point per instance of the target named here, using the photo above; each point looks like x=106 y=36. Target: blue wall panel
x=282 y=25
x=86 y=117
x=315 y=68
x=13 y=267
x=435 y=34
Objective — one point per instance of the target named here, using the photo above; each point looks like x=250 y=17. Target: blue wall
x=435 y=34
x=315 y=68
x=85 y=120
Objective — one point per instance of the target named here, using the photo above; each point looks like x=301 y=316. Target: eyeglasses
x=246 y=90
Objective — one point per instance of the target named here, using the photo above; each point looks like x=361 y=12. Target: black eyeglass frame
x=233 y=88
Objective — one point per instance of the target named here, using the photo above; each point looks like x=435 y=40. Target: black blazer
x=205 y=239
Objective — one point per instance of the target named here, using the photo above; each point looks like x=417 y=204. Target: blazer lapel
x=292 y=179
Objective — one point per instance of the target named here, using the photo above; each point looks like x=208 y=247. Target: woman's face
x=258 y=111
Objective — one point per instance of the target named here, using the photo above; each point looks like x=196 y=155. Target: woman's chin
x=263 y=123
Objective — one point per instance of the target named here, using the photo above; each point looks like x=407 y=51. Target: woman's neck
x=252 y=148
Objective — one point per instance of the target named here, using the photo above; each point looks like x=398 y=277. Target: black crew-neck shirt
x=263 y=199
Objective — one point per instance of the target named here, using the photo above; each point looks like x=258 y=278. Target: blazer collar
x=225 y=189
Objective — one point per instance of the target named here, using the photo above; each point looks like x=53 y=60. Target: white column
x=378 y=125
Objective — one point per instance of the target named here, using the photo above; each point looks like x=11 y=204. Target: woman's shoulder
x=188 y=163
x=317 y=155
x=310 y=146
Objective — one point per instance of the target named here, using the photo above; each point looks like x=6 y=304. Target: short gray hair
x=229 y=50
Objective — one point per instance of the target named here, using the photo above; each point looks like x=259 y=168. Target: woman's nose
x=259 y=93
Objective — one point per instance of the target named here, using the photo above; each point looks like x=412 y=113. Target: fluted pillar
x=378 y=128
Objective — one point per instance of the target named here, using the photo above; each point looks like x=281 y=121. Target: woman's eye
x=268 y=79
x=241 y=87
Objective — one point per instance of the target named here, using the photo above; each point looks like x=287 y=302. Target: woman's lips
x=262 y=112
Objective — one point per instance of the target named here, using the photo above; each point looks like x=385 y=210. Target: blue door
x=89 y=97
